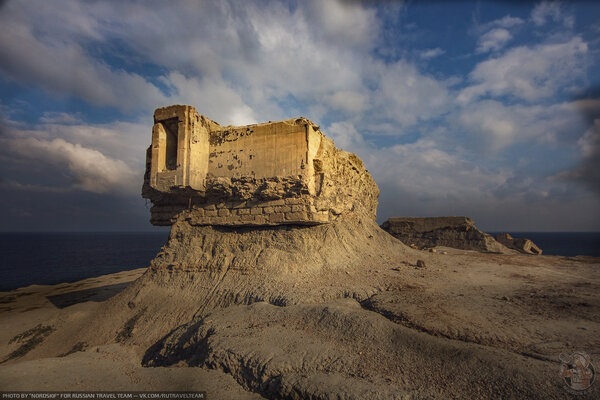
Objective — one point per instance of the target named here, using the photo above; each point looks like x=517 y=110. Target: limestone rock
x=520 y=244
x=457 y=232
x=274 y=173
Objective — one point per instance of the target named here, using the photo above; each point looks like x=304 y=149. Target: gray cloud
x=588 y=170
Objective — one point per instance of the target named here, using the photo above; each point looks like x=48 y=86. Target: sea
x=52 y=258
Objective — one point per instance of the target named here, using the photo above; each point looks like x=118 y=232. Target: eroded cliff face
x=456 y=232
x=275 y=173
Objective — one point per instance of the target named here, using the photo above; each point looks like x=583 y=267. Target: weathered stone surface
x=457 y=232
x=284 y=172
x=520 y=244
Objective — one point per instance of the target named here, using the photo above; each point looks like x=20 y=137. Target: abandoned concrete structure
x=273 y=173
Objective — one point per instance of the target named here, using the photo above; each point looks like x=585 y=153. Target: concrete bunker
x=283 y=172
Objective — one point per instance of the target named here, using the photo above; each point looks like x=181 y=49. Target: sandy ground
x=467 y=325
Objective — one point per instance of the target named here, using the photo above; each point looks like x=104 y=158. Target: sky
x=488 y=109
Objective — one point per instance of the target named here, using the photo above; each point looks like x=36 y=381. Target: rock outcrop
x=456 y=232
x=522 y=245
x=267 y=174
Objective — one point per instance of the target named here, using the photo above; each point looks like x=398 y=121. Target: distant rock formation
x=456 y=232
x=520 y=244
x=275 y=173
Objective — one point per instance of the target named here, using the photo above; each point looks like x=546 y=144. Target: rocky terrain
x=467 y=325
x=336 y=309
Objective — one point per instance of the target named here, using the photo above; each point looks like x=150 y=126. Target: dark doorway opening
x=171 y=128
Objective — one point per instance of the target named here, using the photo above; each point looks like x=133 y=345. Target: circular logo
x=577 y=370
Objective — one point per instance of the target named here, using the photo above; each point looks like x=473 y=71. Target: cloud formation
x=62 y=65
x=551 y=11
x=87 y=169
x=587 y=171
x=431 y=53
x=493 y=40
x=431 y=135
x=529 y=73
x=498 y=126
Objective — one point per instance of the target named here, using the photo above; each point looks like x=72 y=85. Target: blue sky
x=484 y=109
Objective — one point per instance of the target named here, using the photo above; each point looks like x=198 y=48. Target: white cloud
x=347 y=100
x=88 y=169
x=64 y=153
x=496 y=34
x=345 y=136
x=407 y=96
x=63 y=66
x=421 y=169
x=507 y=22
x=344 y=22
x=492 y=121
x=235 y=61
x=416 y=175
x=49 y=117
x=431 y=53
x=546 y=10
x=295 y=60
x=495 y=126
x=211 y=97
x=493 y=40
x=529 y=73
x=118 y=140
